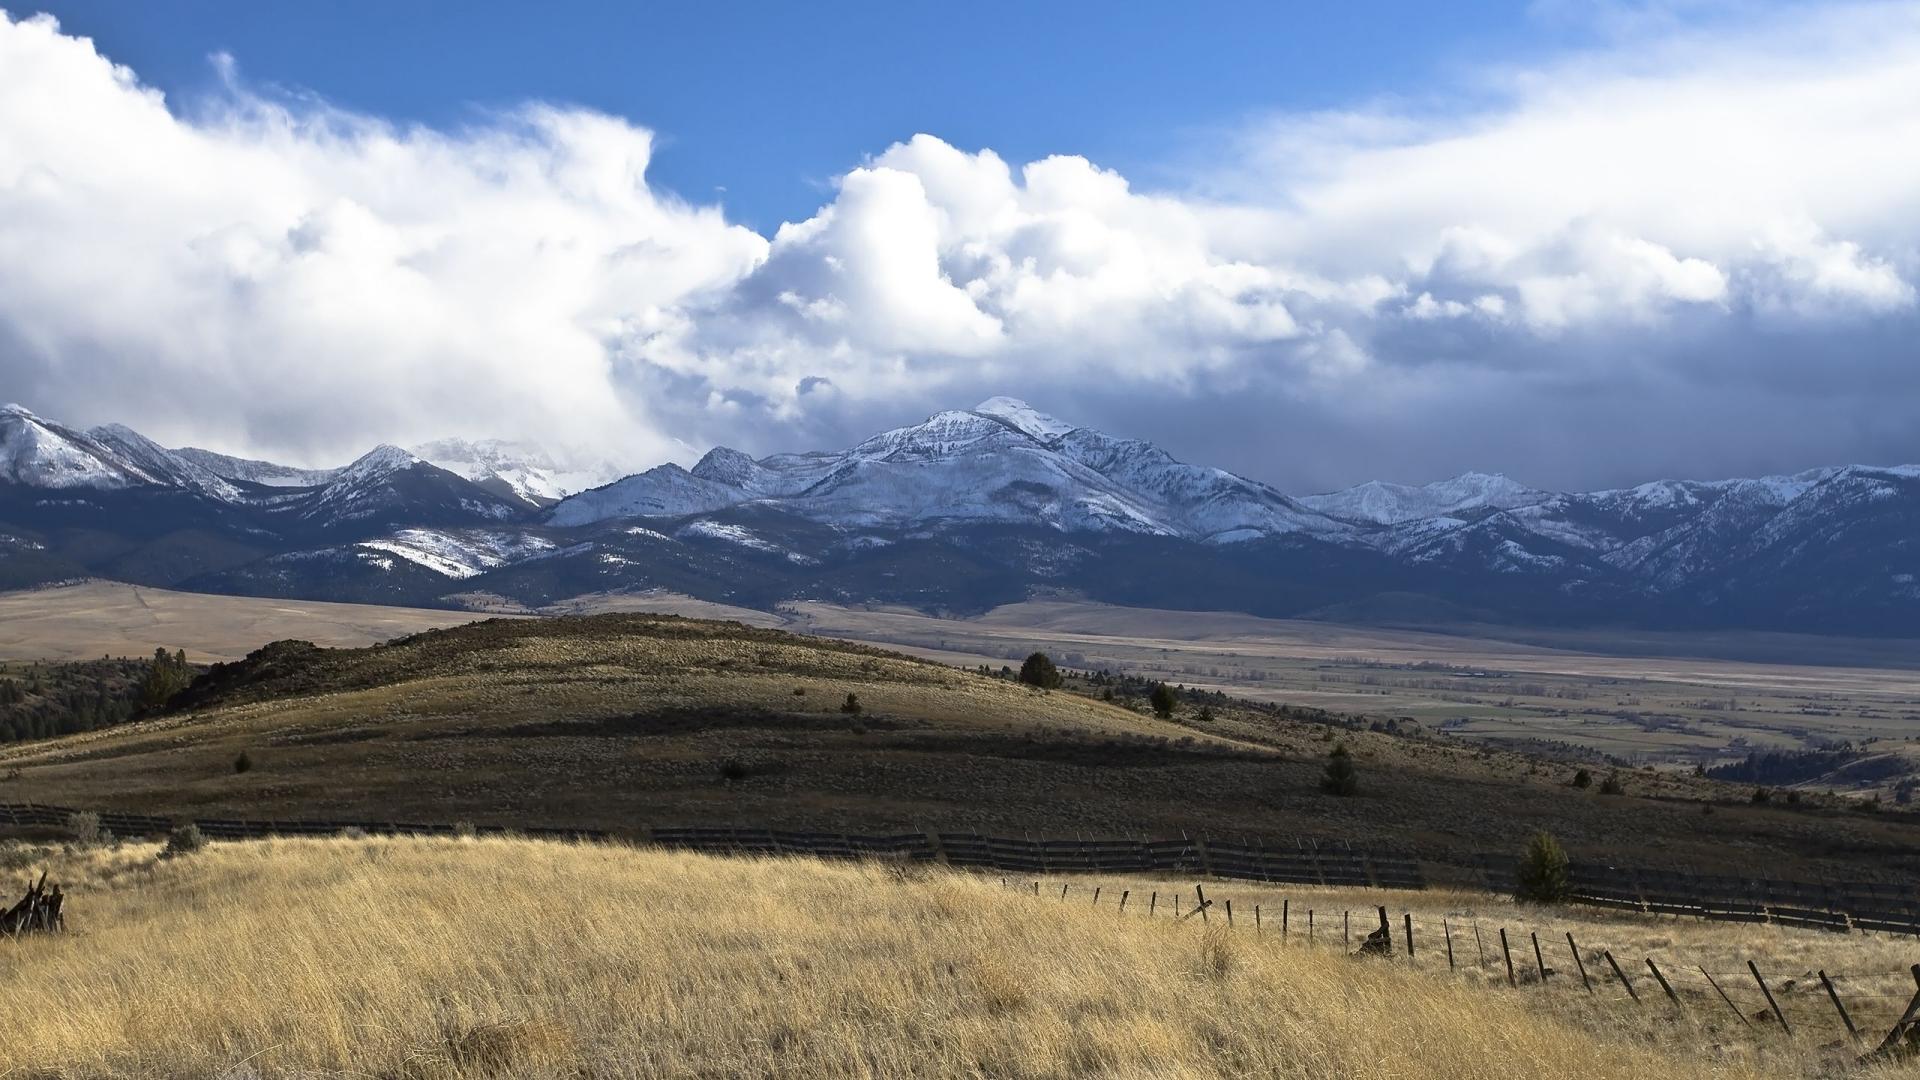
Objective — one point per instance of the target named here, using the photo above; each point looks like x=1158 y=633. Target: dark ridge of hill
x=292 y=668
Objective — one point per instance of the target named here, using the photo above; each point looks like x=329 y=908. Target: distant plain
x=1660 y=698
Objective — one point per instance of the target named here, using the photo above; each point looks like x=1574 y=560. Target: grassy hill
x=427 y=959
x=632 y=720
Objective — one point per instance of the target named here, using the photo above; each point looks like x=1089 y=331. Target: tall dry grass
x=415 y=958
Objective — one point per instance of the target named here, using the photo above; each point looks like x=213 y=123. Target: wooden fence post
x=1834 y=996
x=1063 y=892
x=1200 y=900
x=1508 y=953
x=1284 y=902
x=1309 y=926
x=1903 y=1028
x=1539 y=962
x=1447 y=932
x=1229 y=914
x=1479 y=949
x=1772 y=1004
x=1096 y=896
x=1577 y=962
x=1664 y=985
x=1615 y=965
x=1176 y=905
x=1409 y=916
x=1036 y=888
x=1724 y=997
x=1256 y=920
x=1346 y=929
x=1153 y=901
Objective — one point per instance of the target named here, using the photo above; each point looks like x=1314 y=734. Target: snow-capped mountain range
x=966 y=509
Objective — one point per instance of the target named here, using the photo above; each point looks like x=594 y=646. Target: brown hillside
x=624 y=721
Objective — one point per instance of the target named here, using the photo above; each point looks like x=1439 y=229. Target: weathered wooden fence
x=1838 y=906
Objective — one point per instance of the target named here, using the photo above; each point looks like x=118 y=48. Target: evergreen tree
x=1341 y=777
x=1163 y=699
x=1542 y=874
x=1038 y=670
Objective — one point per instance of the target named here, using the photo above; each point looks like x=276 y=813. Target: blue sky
x=763 y=105
x=1585 y=244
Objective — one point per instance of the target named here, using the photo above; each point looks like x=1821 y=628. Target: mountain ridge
x=967 y=508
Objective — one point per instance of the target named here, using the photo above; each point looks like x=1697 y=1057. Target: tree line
x=47 y=700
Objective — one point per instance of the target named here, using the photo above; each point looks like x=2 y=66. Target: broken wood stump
x=38 y=912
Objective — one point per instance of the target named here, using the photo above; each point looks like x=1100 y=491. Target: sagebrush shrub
x=183 y=840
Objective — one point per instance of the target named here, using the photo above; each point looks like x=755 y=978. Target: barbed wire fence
x=1796 y=1004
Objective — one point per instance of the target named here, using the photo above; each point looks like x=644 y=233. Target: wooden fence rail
x=1837 y=906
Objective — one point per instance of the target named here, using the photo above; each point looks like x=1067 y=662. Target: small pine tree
x=1038 y=670
x=1612 y=785
x=1341 y=777
x=1583 y=779
x=242 y=763
x=1163 y=699
x=1541 y=876
x=852 y=705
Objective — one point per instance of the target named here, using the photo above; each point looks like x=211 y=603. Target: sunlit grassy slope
x=498 y=957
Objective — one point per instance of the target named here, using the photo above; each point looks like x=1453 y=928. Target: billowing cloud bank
x=1691 y=256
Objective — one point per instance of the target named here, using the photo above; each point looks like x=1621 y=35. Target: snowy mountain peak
x=381 y=461
x=40 y=453
x=1378 y=502
x=160 y=464
x=521 y=470
x=1024 y=417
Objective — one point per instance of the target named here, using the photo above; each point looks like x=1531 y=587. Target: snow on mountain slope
x=392 y=484
x=1380 y=503
x=1003 y=462
x=1026 y=418
x=42 y=454
x=162 y=464
x=521 y=469
x=662 y=491
x=248 y=470
x=461 y=553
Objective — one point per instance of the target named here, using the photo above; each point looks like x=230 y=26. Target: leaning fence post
x=1772 y=1004
x=1153 y=901
x=1229 y=914
x=1508 y=953
x=1256 y=920
x=1063 y=892
x=1834 y=996
x=1724 y=997
x=1409 y=916
x=1447 y=932
x=1615 y=965
x=1200 y=902
x=1539 y=961
x=1096 y=896
x=1575 y=950
x=1664 y=985
x=1479 y=949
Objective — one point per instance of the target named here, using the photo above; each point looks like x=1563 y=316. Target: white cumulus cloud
x=1708 y=217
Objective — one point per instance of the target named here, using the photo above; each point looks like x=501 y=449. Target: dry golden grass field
x=415 y=958
x=631 y=721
